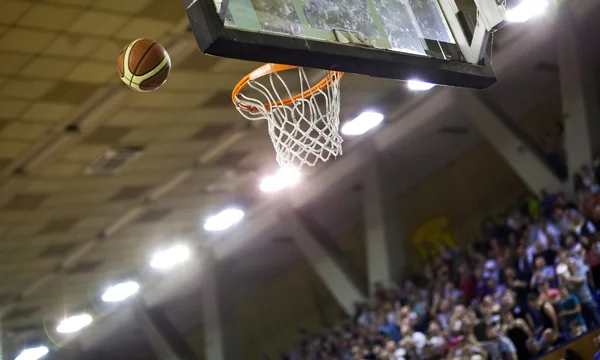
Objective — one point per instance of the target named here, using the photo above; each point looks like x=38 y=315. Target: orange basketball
x=144 y=65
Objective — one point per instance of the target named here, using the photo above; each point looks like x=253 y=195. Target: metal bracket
x=490 y=15
x=354 y=38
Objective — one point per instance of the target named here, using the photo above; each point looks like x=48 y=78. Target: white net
x=304 y=128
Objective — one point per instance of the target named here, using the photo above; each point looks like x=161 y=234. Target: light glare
x=120 y=291
x=526 y=10
x=74 y=323
x=223 y=220
x=362 y=123
x=418 y=85
x=283 y=178
x=32 y=353
x=171 y=257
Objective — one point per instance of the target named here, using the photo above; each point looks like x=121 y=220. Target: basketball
x=144 y=65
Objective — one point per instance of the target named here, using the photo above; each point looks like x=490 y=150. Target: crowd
x=527 y=286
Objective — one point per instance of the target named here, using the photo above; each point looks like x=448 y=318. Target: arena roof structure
x=94 y=178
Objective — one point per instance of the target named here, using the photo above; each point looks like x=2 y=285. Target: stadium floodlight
x=74 y=323
x=33 y=353
x=223 y=219
x=362 y=123
x=169 y=258
x=283 y=178
x=526 y=10
x=121 y=291
x=418 y=85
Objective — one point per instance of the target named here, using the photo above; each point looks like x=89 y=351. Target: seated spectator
x=497 y=345
x=436 y=340
x=464 y=348
x=543 y=273
x=548 y=293
x=575 y=280
x=589 y=179
x=519 y=333
x=467 y=283
x=592 y=259
x=381 y=293
x=412 y=341
x=596 y=216
x=570 y=313
x=519 y=287
x=547 y=332
x=589 y=200
x=523 y=265
x=519 y=311
x=443 y=314
x=496 y=290
x=491 y=269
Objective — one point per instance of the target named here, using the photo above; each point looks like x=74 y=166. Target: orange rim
x=273 y=68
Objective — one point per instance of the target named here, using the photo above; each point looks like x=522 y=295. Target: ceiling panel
x=24 y=40
x=25 y=88
x=98 y=23
x=49 y=16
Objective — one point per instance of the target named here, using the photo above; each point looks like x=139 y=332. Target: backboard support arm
x=490 y=16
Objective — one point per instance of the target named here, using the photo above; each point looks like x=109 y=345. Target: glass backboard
x=398 y=39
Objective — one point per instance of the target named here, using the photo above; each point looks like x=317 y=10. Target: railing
x=583 y=346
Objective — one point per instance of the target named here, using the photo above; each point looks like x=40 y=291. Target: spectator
x=511 y=296
x=592 y=259
x=575 y=281
x=498 y=346
x=543 y=274
x=381 y=293
x=467 y=283
x=519 y=333
x=596 y=217
x=570 y=313
x=547 y=331
x=520 y=288
x=597 y=344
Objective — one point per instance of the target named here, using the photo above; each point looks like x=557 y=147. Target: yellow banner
x=431 y=235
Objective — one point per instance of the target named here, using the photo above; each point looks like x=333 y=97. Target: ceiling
x=69 y=227
x=68 y=224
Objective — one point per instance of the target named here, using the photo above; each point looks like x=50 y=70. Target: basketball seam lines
x=153 y=76
x=140 y=62
x=158 y=69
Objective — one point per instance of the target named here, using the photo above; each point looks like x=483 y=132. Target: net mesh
x=305 y=129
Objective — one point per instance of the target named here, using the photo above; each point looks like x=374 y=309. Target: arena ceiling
x=71 y=221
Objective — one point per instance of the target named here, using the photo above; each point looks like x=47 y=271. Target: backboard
x=396 y=39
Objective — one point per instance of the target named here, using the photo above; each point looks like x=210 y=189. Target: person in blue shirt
x=570 y=313
x=576 y=281
x=597 y=343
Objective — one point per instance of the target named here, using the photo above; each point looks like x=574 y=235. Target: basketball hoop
x=304 y=128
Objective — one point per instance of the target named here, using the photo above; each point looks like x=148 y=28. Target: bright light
x=74 y=323
x=223 y=220
x=120 y=291
x=32 y=353
x=526 y=10
x=171 y=257
x=283 y=178
x=362 y=123
x=418 y=85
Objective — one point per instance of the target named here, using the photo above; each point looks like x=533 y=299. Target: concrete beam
x=579 y=92
x=220 y=328
x=518 y=151
x=165 y=340
x=328 y=265
x=385 y=255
